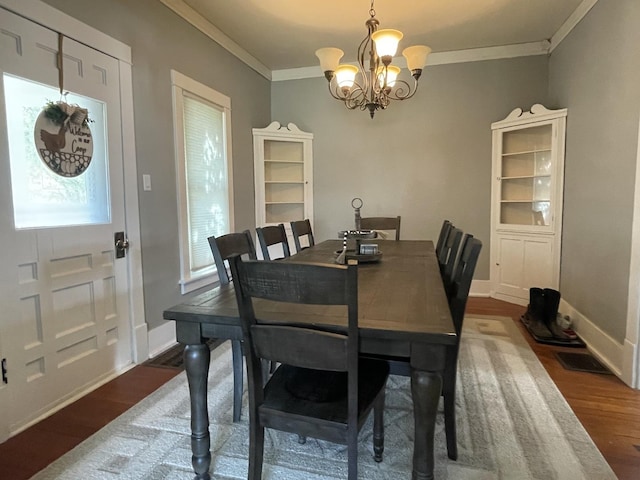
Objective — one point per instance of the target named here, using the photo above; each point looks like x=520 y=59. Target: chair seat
x=296 y=390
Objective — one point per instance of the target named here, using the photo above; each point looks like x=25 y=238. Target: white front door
x=65 y=322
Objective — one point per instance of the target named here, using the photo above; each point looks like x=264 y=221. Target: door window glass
x=42 y=198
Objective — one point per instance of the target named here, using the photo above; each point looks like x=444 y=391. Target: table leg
x=196 y=362
x=425 y=390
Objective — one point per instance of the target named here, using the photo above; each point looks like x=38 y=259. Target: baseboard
x=140 y=343
x=630 y=374
x=161 y=338
x=480 y=288
x=601 y=344
x=509 y=298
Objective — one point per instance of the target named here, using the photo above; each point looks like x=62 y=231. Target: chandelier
x=378 y=82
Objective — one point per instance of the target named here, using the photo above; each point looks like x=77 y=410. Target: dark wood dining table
x=403 y=312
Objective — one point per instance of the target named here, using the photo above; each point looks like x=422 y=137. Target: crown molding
x=198 y=21
x=439 y=58
x=573 y=20
x=543 y=47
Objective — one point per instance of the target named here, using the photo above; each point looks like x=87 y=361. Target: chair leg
x=449 y=394
x=256 y=449
x=352 y=451
x=378 y=427
x=236 y=352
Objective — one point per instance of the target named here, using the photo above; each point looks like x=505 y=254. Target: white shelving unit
x=527 y=192
x=283 y=170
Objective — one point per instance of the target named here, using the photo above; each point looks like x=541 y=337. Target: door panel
x=64 y=294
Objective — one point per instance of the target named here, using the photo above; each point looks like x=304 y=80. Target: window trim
x=181 y=86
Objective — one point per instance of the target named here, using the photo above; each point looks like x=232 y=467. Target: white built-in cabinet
x=283 y=171
x=527 y=192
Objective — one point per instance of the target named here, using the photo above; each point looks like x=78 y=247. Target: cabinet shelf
x=278 y=160
x=515 y=177
x=527 y=200
x=283 y=182
x=527 y=152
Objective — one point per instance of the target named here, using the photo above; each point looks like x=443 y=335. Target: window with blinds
x=203 y=159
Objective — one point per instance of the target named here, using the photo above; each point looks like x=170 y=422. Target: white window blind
x=204 y=176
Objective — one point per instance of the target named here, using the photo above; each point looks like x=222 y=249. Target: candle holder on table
x=363 y=251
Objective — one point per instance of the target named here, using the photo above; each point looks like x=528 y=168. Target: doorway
x=70 y=316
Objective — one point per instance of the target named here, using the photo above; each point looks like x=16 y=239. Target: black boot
x=552 y=302
x=536 y=309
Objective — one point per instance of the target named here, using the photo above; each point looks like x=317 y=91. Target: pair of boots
x=543 y=310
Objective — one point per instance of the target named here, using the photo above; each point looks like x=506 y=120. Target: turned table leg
x=425 y=390
x=196 y=362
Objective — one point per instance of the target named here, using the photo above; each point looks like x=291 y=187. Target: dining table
x=403 y=314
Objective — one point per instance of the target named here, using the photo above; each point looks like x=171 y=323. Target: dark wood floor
x=608 y=409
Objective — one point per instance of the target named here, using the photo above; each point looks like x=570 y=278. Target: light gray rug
x=513 y=423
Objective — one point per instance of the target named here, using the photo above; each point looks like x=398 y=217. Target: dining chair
x=223 y=248
x=459 y=294
x=381 y=223
x=273 y=235
x=442 y=237
x=321 y=388
x=299 y=229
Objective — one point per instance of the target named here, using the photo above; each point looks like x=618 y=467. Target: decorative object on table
x=61 y=133
x=379 y=82
x=370 y=252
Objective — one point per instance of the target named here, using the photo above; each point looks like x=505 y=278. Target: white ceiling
x=284 y=34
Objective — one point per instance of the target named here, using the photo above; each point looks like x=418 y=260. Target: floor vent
x=581 y=362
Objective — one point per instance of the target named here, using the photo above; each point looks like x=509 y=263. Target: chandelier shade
x=374 y=81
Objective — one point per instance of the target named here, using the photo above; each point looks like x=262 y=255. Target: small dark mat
x=581 y=362
x=172 y=357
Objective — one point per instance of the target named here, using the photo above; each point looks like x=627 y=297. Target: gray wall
x=161 y=41
x=595 y=73
x=427 y=158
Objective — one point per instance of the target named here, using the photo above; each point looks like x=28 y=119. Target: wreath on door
x=62 y=136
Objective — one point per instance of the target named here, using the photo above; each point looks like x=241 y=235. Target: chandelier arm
x=398 y=92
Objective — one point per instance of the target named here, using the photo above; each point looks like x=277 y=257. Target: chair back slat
x=442 y=237
x=301 y=228
x=382 y=223
x=273 y=235
x=301 y=347
x=226 y=246
x=449 y=252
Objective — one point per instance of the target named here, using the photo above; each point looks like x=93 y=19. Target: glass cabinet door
x=526 y=180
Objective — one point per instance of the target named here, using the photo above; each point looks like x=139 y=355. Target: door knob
x=122 y=244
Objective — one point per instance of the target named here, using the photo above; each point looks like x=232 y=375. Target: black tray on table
x=361 y=258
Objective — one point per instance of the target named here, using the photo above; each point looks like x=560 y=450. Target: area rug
x=513 y=423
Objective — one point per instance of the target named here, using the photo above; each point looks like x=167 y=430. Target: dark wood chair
x=300 y=229
x=223 y=248
x=321 y=388
x=442 y=237
x=381 y=223
x=458 y=295
x=273 y=235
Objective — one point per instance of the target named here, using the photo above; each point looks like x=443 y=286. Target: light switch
x=146 y=182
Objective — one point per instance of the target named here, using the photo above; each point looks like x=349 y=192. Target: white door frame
x=49 y=17
x=631 y=347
